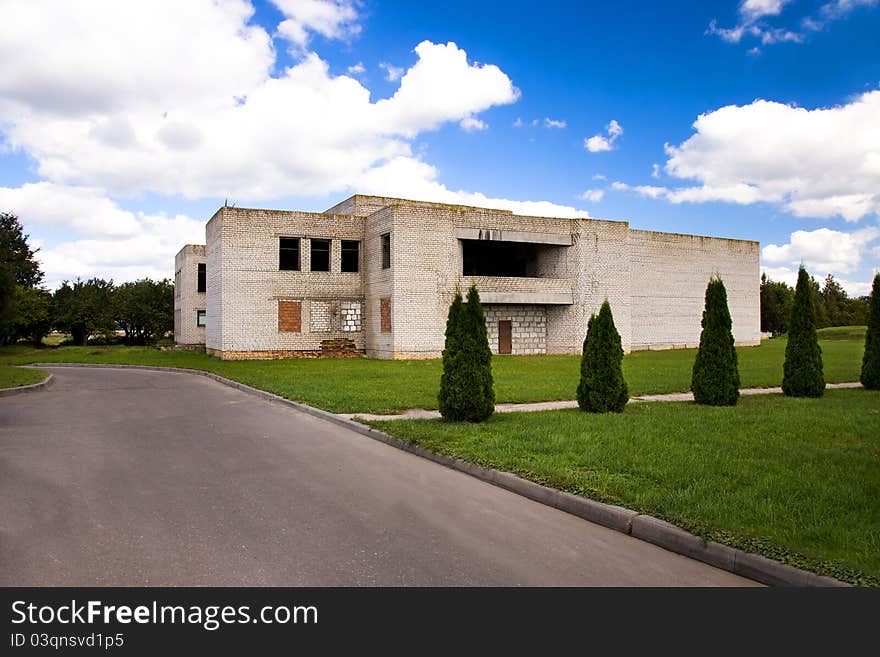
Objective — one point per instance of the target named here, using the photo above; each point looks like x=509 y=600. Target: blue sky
x=125 y=125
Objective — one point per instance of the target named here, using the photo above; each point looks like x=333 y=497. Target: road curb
x=22 y=390
x=644 y=527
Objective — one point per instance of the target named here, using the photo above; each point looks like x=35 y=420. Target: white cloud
x=600 y=143
x=655 y=170
x=823 y=250
x=814 y=163
x=553 y=123
x=409 y=178
x=333 y=19
x=116 y=243
x=470 y=124
x=753 y=15
x=753 y=9
x=643 y=190
x=518 y=123
x=592 y=195
x=600 y=176
x=83 y=210
x=392 y=73
x=356 y=69
x=179 y=116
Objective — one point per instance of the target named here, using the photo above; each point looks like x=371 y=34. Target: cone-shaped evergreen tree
x=715 y=378
x=450 y=385
x=466 y=391
x=870 y=376
x=602 y=388
x=802 y=371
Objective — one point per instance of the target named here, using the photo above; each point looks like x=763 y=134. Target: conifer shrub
x=870 y=376
x=466 y=386
x=602 y=388
x=802 y=370
x=715 y=377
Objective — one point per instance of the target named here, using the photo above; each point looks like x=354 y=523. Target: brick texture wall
x=654 y=281
x=187 y=299
x=528 y=327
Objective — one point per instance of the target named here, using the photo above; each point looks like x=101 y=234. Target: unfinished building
x=375 y=276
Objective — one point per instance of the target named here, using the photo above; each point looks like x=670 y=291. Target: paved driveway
x=130 y=477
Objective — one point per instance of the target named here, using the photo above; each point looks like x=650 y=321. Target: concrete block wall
x=669 y=276
x=528 y=327
x=187 y=299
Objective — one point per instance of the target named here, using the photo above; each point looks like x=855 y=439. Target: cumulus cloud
x=820 y=163
x=392 y=73
x=83 y=210
x=600 y=143
x=333 y=19
x=177 y=115
x=115 y=243
x=356 y=69
x=655 y=170
x=823 y=250
x=470 y=124
x=554 y=123
x=592 y=195
x=408 y=178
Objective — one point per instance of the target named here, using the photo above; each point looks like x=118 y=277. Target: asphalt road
x=130 y=477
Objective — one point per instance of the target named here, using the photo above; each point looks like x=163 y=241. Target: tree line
x=143 y=311
x=833 y=307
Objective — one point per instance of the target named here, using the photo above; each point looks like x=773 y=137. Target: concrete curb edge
x=34 y=387
x=647 y=528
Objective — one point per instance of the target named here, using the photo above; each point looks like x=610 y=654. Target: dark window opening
x=320 y=255
x=490 y=258
x=201 y=318
x=386 y=250
x=288 y=254
x=202 y=284
x=351 y=254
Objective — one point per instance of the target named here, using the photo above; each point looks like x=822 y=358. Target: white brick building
x=377 y=275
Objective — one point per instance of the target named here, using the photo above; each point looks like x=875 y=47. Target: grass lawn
x=12 y=377
x=794 y=479
x=378 y=386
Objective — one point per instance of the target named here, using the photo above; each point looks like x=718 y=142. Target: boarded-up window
x=385 y=314
x=290 y=316
x=320 y=315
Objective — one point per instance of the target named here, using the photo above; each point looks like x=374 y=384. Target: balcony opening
x=517 y=259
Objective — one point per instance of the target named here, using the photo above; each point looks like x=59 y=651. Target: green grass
x=12 y=377
x=380 y=386
x=794 y=479
x=843 y=333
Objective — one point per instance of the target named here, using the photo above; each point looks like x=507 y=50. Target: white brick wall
x=654 y=281
x=187 y=300
x=528 y=327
